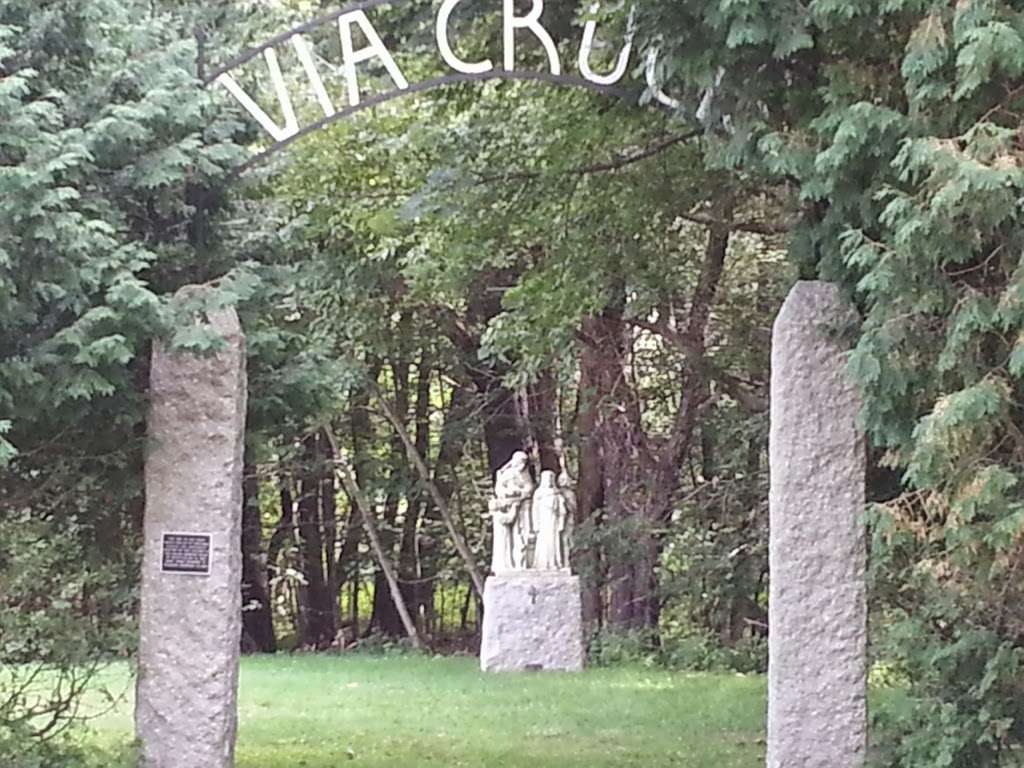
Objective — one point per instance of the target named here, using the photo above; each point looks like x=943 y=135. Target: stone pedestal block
x=817 y=670
x=533 y=620
x=185 y=714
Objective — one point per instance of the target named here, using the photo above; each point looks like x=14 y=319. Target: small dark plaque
x=186 y=553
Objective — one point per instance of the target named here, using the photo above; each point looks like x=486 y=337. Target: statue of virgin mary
x=550 y=512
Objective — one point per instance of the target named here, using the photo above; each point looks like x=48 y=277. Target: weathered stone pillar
x=817 y=669
x=185 y=712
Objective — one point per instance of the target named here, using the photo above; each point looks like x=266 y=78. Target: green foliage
x=101 y=172
x=885 y=133
x=382 y=645
x=691 y=651
x=897 y=124
x=611 y=648
x=7 y=451
x=548 y=207
x=112 y=166
x=62 y=616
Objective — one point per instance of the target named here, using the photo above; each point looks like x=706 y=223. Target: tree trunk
x=588 y=560
x=355 y=492
x=540 y=415
x=318 y=629
x=385 y=618
x=503 y=432
x=442 y=505
x=409 y=569
x=257 y=616
x=663 y=474
x=329 y=513
x=503 y=429
x=279 y=540
x=639 y=477
x=615 y=461
x=362 y=436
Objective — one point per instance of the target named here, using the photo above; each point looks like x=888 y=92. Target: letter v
x=291 y=124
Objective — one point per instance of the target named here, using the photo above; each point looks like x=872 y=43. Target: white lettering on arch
x=530 y=21
x=278 y=132
x=444 y=45
x=375 y=50
x=587 y=47
x=305 y=55
x=651 y=70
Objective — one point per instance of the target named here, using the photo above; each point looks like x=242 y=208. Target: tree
x=112 y=162
x=516 y=235
x=896 y=124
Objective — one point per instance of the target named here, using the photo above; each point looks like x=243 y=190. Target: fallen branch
x=435 y=494
x=351 y=485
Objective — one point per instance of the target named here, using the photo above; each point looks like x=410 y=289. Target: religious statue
x=550 y=511
x=532 y=535
x=513 y=491
x=504 y=517
x=532 y=528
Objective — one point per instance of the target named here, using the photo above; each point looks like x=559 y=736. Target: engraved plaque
x=187 y=553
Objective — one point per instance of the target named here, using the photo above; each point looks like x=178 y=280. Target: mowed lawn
x=331 y=711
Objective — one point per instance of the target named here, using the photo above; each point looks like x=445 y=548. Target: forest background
x=491 y=267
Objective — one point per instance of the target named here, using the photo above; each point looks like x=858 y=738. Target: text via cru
x=514 y=28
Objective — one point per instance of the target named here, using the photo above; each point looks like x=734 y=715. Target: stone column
x=817 y=669
x=185 y=711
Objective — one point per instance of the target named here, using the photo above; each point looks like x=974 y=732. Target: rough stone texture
x=533 y=620
x=185 y=712
x=817 y=670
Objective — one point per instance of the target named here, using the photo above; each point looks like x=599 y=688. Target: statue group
x=532 y=524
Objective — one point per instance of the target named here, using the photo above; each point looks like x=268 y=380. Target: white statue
x=550 y=511
x=503 y=517
x=513 y=490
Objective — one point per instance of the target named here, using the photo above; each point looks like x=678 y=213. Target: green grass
x=330 y=711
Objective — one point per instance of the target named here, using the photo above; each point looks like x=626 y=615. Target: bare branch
x=614 y=164
x=348 y=480
x=435 y=494
x=751 y=227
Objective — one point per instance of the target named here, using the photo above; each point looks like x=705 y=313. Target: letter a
x=291 y=125
x=444 y=15
x=375 y=49
x=530 y=21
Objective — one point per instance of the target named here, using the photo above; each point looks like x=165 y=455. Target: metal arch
x=421 y=87
x=373 y=101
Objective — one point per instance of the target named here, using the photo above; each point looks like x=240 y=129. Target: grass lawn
x=329 y=711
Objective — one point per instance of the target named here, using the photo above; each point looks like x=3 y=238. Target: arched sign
x=515 y=29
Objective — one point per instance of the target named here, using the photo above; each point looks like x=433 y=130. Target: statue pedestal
x=533 y=620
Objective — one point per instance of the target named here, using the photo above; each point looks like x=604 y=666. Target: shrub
x=695 y=652
x=62 y=615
